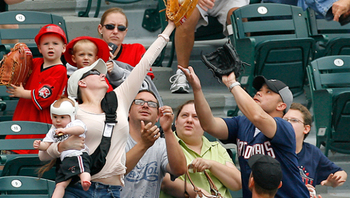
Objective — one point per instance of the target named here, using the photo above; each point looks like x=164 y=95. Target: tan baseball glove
x=16 y=66
x=179 y=10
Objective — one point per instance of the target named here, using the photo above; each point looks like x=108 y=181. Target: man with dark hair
x=149 y=157
x=266 y=176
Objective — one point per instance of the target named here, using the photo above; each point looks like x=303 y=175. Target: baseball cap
x=73 y=80
x=276 y=86
x=266 y=171
x=102 y=49
x=50 y=28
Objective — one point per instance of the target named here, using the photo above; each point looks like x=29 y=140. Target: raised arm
x=250 y=108
x=214 y=126
x=177 y=161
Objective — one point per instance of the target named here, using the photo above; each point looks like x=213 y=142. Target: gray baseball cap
x=73 y=80
x=276 y=86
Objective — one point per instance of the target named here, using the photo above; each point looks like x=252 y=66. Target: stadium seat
x=98 y=6
x=29 y=23
x=19 y=128
x=7 y=105
x=330 y=92
x=332 y=38
x=273 y=38
x=24 y=186
x=26 y=165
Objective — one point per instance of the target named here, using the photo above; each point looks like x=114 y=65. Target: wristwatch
x=233 y=85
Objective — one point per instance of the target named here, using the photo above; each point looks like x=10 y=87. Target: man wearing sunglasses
x=149 y=157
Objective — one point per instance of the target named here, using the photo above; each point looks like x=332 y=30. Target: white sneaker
x=179 y=83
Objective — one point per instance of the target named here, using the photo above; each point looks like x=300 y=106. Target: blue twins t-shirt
x=314 y=166
x=251 y=141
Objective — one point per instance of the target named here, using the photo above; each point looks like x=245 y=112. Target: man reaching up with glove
x=261 y=129
x=184 y=35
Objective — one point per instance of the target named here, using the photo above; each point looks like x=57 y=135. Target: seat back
x=19 y=128
x=341 y=117
x=26 y=165
x=24 y=186
x=334 y=39
x=273 y=38
x=331 y=72
x=266 y=21
x=330 y=93
x=7 y=105
x=29 y=23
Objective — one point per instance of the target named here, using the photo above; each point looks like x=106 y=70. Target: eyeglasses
x=121 y=28
x=91 y=72
x=149 y=103
x=293 y=120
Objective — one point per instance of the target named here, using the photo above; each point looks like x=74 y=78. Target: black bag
x=109 y=105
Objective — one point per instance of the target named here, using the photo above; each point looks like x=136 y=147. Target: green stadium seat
x=24 y=186
x=19 y=128
x=332 y=38
x=26 y=165
x=273 y=38
x=330 y=93
x=29 y=23
x=7 y=105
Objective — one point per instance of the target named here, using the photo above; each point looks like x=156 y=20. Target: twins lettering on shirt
x=148 y=172
x=246 y=151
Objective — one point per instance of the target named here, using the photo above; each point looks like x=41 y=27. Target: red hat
x=51 y=28
x=102 y=47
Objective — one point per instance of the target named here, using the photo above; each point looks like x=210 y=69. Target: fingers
x=166 y=110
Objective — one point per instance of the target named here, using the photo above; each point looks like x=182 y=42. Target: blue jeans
x=96 y=190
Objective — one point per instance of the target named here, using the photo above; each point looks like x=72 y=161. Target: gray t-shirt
x=146 y=177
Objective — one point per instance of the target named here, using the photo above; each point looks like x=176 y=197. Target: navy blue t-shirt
x=314 y=165
x=251 y=141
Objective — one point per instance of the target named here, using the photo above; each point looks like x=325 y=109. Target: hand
x=192 y=78
x=333 y=181
x=200 y=164
x=206 y=4
x=60 y=131
x=166 y=118
x=73 y=142
x=149 y=134
x=15 y=91
x=339 y=8
x=110 y=66
x=36 y=144
x=228 y=80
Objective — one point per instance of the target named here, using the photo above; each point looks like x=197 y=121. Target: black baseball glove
x=224 y=61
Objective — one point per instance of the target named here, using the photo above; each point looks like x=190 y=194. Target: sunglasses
x=121 y=28
x=91 y=72
x=149 y=103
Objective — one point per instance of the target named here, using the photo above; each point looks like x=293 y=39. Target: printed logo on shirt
x=247 y=151
x=149 y=172
x=45 y=91
x=305 y=175
x=72 y=169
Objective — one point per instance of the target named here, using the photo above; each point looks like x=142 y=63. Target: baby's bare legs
x=60 y=189
x=85 y=179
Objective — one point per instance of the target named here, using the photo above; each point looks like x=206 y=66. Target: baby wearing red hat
x=45 y=84
x=85 y=50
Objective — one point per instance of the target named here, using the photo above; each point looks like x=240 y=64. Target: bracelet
x=233 y=85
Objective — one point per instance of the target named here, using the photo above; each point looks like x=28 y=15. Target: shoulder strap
x=109 y=105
